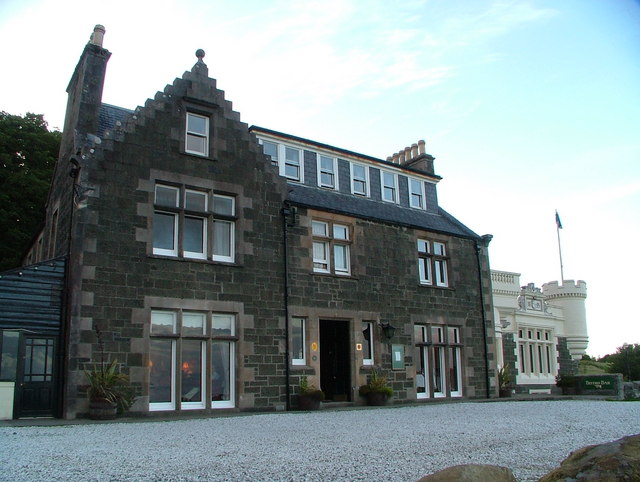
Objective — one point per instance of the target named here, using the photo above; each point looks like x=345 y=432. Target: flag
x=558 y=223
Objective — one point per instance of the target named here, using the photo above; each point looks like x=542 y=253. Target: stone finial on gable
x=200 y=67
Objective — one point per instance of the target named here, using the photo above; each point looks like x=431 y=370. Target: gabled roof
x=332 y=201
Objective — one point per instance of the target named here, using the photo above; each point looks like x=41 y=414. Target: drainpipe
x=486 y=240
x=287 y=211
x=66 y=314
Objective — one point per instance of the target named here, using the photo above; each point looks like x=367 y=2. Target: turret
x=570 y=296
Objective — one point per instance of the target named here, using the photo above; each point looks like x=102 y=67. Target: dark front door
x=335 y=366
x=36 y=393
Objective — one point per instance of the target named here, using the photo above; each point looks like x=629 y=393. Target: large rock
x=613 y=461
x=471 y=473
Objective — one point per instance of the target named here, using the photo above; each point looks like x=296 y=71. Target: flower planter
x=377 y=399
x=505 y=392
x=308 y=402
x=102 y=410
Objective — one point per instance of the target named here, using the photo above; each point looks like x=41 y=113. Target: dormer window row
x=291 y=160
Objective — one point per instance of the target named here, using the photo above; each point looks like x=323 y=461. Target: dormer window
x=292 y=164
x=327 y=172
x=359 y=179
x=197 y=138
x=416 y=193
x=389 y=183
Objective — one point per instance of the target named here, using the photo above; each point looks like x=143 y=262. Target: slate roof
x=108 y=116
x=332 y=201
x=322 y=199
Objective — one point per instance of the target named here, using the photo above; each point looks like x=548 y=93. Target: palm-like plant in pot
x=109 y=391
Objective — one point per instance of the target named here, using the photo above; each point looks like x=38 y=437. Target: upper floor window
x=359 y=179
x=327 y=171
x=183 y=224
x=197 y=138
x=416 y=194
x=432 y=263
x=271 y=149
x=331 y=253
x=293 y=163
x=389 y=183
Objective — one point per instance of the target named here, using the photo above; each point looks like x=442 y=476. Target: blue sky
x=528 y=106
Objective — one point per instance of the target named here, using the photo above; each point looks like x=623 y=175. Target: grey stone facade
x=117 y=280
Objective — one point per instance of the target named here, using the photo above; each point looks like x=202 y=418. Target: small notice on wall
x=397 y=357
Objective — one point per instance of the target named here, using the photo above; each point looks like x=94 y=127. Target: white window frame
x=384 y=186
x=439 y=359
x=231 y=403
x=201 y=135
x=274 y=159
x=354 y=179
x=420 y=193
x=424 y=351
x=158 y=210
x=333 y=172
x=195 y=254
x=440 y=271
x=300 y=361
x=285 y=162
x=324 y=241
x=232 y=229
x=341 y=244
x=171 y=405
x=456 y=355
x=424 y=262
x=370 y=343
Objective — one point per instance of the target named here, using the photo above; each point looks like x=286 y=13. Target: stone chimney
x=414 y=157
x=85 y=94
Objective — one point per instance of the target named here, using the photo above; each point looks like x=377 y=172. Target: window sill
x=424 y=285
x=333 y=275
x=195 y=260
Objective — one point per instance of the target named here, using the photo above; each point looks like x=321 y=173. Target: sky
x=528 y=106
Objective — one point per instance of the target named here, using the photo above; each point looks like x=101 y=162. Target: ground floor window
x=191 y=360
x=536 y=351
x=438 y=360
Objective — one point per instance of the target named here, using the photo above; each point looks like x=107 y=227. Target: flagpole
x=558 y=228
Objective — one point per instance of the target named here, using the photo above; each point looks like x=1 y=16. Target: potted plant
x=109 y=392
x=310 y=396
x=566 y=383
x=377 y=392
x=504 y=382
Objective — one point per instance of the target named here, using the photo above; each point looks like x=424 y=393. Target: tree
x=625 y=360
x=28 y=153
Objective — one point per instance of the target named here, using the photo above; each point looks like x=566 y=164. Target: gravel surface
x=395 y=444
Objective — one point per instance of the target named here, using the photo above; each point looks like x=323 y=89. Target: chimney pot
x=414 y=151
x=421 y=147
x=407 y=154
x=98 y=35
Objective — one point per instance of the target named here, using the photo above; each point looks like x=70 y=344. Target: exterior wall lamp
x=387 y=330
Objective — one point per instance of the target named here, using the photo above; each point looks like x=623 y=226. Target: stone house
x=219 y=263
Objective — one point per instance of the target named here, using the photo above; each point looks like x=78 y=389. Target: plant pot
x=102 y=410
x=308 y=402
x=377 y=399
x=505 y=392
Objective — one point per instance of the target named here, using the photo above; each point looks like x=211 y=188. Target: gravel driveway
x=400 y=444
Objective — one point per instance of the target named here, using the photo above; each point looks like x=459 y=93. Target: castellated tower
x=570 y=296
